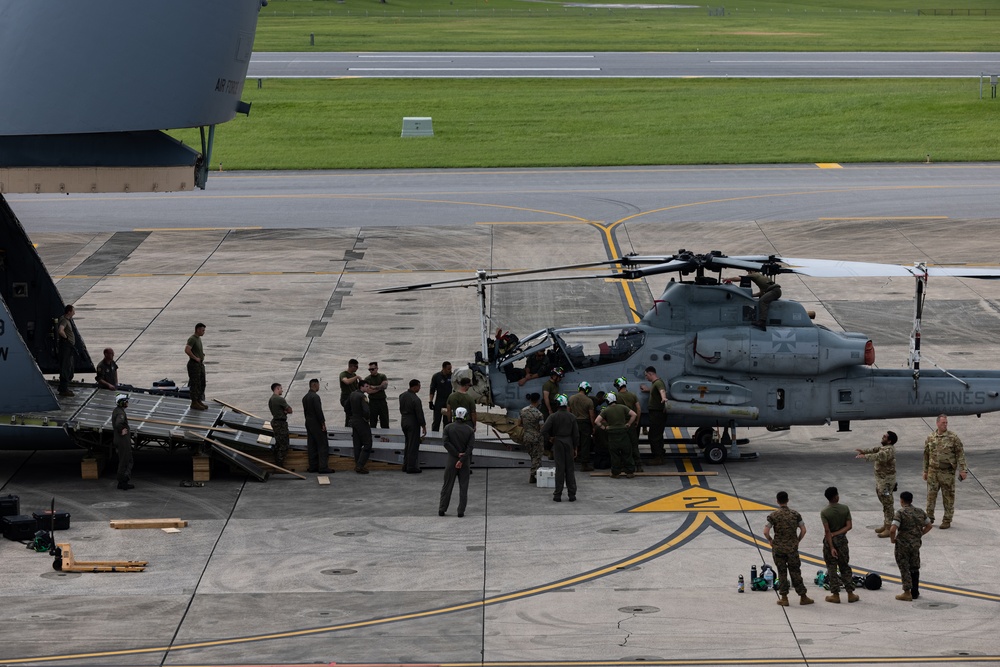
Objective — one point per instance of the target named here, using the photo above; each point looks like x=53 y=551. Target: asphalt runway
x=812 y=65
x=421 y=197
x=282 y=268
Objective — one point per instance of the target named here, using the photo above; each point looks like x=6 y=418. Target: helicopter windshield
x=596 y=346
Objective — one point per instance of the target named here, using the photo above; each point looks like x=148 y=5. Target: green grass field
x=356 y=123
x=345 y=124
x=529 y=25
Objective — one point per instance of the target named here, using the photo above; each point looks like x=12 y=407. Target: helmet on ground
x=460 y=413
x=558 y=371
x=620 y=382
x=561 y=400
x=121 y=398
x=585 y=387
x=610 y=397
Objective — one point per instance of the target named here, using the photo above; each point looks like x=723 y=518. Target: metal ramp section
x=386 y=448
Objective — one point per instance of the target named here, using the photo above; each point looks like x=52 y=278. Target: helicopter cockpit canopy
x=575 y=349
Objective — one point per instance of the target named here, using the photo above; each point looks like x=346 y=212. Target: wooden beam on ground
x=323 y=480
x=661 y=474
x=200 y=427
x=121 y=524
x=236 y=409
x=252 y=458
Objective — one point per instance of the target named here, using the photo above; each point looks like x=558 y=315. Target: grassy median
x=541 y=25
x=356 y=123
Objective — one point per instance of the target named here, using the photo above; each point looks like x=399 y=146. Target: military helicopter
x=721 y=371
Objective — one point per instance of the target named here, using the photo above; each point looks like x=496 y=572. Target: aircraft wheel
x=716 y=453
x=703 y=436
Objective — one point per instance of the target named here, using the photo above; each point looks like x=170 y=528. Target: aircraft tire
x=716 y=453
x=703 y=436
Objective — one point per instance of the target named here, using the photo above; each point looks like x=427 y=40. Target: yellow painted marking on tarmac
x=267 y=273
x=191 y=229
x=626 y=285
x=828 y=165
x=130 y=275
x=701 y=500
x=541 y=222
x=640 y=557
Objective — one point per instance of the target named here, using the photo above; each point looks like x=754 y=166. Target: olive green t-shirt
x=376 y=379
x=655 y=400
x=196 y=349
x=836 y=516
x=616 y=416
x=277 y=405
x=460 y=399
x=346 y=389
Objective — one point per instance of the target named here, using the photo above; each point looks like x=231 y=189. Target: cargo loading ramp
x=387 y=444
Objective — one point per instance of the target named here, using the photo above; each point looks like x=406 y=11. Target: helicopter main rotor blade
x=491 y=277
x=828 y=268
x=500 y=283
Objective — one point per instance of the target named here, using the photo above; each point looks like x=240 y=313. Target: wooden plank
x=661 y=474
x=184 y=425
x=122 y=524
x=323 y=480
x=252 y=458
x=201 y=468
x=235 y=409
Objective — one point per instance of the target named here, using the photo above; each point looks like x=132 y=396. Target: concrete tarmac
x=363 y=571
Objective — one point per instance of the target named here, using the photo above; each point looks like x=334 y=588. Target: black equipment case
x=44 y=520
x=10 y=505
x=19 y=527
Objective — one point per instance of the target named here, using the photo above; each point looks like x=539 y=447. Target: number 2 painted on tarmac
x=702 y=502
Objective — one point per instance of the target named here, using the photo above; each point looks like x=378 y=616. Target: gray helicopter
x=720 y=370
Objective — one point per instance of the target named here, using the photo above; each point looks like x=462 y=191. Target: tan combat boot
x=905 y=597
x=805 y=599
x=833 y=597
x=885 y=530
x=852 y=596
x=945 y=525
x=783 y=601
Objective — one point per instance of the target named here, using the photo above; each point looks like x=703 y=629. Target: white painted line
x=474 y=69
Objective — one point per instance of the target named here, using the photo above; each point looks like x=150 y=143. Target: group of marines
x=944 y=456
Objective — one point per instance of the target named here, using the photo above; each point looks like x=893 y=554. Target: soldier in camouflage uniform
x=789 y=529
x=909 y=525
x=531 y=421
x=943 y=455
x=884 y=458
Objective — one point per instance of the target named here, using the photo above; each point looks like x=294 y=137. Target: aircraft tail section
x=33 y=301
x=23 y=389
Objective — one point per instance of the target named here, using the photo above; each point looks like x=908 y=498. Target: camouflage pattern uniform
x=909 y=522
x=785 y=548
x=531 y=422
x=884 y=458
x=943 y=455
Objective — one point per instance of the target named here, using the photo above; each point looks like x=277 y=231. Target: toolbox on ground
x=19 y=527
x=10 y=505
x=545 y=478
x=44 y=520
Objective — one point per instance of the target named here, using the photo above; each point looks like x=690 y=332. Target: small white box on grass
x=545 y=478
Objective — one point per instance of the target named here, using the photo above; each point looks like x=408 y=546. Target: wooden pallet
x=66 y=563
